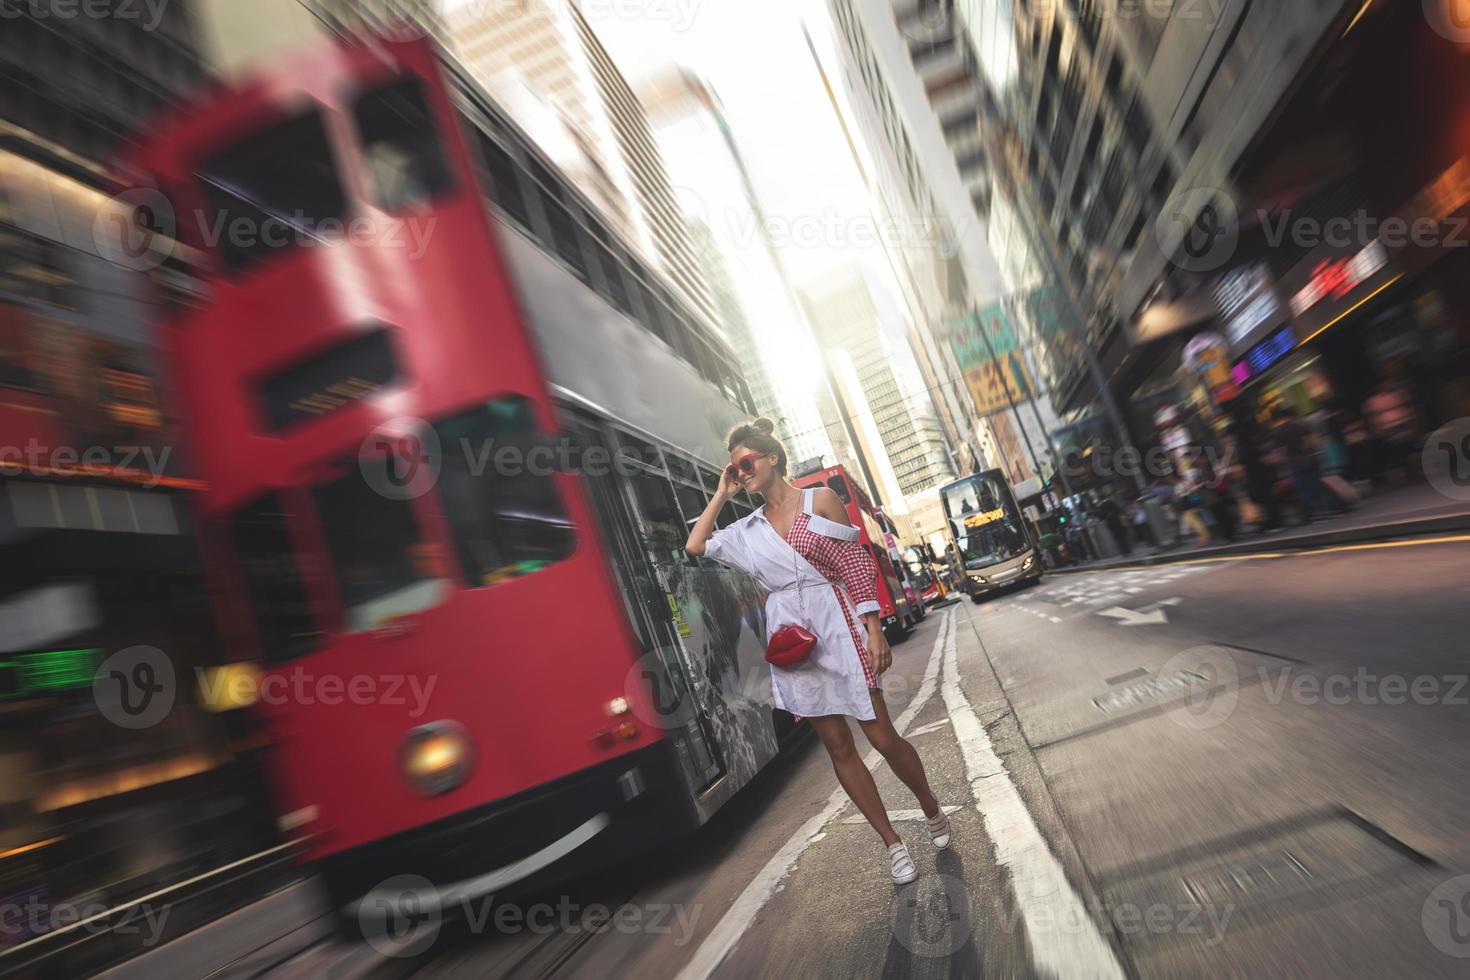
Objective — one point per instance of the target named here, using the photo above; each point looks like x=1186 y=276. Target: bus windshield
x=987 y=524
x=918 y=566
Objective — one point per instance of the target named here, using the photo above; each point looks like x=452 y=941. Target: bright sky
x=753 y=54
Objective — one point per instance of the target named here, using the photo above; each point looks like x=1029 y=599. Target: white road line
x=1063 y=939
x=899 y=816
x=737 y=919
x=933 y=726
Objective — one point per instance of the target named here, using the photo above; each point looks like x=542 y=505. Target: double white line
x=1043 y=894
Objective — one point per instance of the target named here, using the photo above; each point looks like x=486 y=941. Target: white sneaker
x=902 y=865
x=939 y=831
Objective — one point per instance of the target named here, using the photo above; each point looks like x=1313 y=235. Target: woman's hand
x=729 y=486
x=878 y=649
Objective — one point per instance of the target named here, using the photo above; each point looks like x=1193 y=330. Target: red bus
x=454 y=430
x=899 y=616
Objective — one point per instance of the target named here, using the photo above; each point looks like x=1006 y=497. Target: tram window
x=276 y=189
x=839 y=487
x=505 y=181
x=641 y=450
x=656 y=317
x=564 y=235
x=401 y=146
x=727 y=515
x=504 y=511
x=692 y=502
x=384 y=569
x=711 y=481
x=617 y=286
x=681 y=467
x=273 y=580
x=659 y=511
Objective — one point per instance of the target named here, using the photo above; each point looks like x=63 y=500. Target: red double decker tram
x=454 y=430
x=899 y=615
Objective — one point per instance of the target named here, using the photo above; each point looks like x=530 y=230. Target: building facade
x=930 y=170
x=763 y=315
x=552 y=48
x=849 y=318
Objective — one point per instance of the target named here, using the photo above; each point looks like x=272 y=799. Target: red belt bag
x=790 y=645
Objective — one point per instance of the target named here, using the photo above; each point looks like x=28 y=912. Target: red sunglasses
x=745 y=464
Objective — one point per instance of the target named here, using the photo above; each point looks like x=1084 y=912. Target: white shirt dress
x=822 y=577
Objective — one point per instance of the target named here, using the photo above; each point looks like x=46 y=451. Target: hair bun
x=763 y=424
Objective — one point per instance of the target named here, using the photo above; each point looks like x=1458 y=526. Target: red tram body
x=898 y=613
x=567 y=682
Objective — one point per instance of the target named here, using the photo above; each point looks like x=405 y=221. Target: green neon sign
x=30 y=675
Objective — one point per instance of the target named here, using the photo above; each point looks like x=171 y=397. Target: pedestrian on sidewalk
x=1391 y=417
x=1220 y=498
x=801 y=547
x=1295 y=444
x=1143 y=535
x=1112 y=515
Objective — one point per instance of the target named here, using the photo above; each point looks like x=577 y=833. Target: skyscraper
x=850 y=318
x=767 y=325
x=919 y=119
x=550 y=48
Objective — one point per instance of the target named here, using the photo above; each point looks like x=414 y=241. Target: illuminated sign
x=30 y=675
x=1247 y=301
x=1335 y=278
x=988 y=517
x=1265 y=355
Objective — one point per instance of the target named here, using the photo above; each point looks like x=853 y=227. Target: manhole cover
x=1227 y=885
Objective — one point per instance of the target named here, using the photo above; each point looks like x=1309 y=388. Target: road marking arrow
x=1151 y=615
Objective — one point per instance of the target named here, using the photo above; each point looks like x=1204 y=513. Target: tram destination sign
x=329 y=381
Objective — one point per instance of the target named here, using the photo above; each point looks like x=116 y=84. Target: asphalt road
x=1256 y=767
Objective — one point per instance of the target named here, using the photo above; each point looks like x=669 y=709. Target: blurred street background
x=1165 y=303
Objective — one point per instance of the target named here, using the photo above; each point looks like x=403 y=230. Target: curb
x=1388 y=531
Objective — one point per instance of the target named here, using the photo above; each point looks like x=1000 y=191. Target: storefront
x=1355 y=228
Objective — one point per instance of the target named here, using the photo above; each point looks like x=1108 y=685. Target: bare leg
x=901 y=756
x=852 y=774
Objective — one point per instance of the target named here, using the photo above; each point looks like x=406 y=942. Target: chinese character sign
x=988 y=383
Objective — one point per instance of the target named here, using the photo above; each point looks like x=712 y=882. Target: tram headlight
x=437 y=757
x=1026 y=565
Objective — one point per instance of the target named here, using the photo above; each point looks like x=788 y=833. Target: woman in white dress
x=801 y=547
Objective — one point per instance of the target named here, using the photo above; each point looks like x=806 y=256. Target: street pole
x=1005 y=382
x=1041 y=422
x=1079 y=328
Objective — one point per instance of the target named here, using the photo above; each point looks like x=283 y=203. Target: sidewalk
x=1399 y=513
